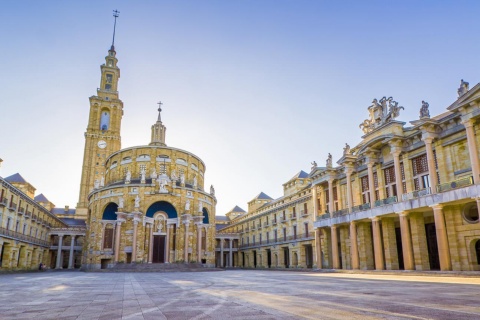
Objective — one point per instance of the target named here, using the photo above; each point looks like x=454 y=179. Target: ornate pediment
x=381 y=112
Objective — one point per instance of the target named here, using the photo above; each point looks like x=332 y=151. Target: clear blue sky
x=257 y=89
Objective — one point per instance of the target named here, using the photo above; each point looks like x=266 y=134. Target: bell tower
x=102 y=137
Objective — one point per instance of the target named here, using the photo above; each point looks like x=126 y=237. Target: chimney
x=66 y=209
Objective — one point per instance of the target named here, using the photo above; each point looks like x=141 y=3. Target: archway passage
x=164 y=206
x=109 y=212
x=477 y=250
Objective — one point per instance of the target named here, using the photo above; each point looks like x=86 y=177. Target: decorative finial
x=159 y=110
x=115 y=14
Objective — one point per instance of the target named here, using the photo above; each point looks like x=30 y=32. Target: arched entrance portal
x=159 y=235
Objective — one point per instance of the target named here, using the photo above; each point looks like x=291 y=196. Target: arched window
x=109 y=212
x=105 y=120
x=205 y=216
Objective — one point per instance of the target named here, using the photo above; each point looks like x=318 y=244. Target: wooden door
x=158 y=249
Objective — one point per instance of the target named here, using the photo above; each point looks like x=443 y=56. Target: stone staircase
x=159 y=267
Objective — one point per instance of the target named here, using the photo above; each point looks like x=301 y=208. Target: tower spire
x=158 y=129
x=115 y=14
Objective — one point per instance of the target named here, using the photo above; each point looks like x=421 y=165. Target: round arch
x=164 y=206
x=205 y=216
x=109 y=211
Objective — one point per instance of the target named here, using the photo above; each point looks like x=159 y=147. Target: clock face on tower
x=101 y=144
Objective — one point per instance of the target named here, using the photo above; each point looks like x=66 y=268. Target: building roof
x=300 y=175
x=17 y=177
x=220 y=226
x=73 y=222
x=62 y=211
x=237 y=209
x=41 y=198
x=262 y=196
x=221 y=218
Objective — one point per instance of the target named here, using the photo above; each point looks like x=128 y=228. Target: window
x=365 y=189
x=268 y=238
x=105 y=120
x=294 y=212
x=421 y=178
x=390 y=185
x=305 y=210
x=284 y=234
x=306 y=229
x=275 y=235
x=294 y=232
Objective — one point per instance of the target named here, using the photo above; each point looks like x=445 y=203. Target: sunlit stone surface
x=240 y=294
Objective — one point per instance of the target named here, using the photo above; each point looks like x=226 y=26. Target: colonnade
x=371 y=243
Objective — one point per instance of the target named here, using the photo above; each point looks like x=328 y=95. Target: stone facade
x=405 y=197
x=25 y=227
x=273 y=233
x=144 y=204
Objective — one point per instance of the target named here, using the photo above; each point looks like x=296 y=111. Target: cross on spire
x=115 y=14
x=159 y=110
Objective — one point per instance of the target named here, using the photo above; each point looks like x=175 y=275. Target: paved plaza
x=239 y=294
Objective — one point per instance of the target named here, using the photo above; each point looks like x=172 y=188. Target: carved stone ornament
x=381 y=112
x=120 y=202
x=314 y=165
x=137 y=201
x=424 y=112
x=346 y=149
x=128 y=176
x=163 y=181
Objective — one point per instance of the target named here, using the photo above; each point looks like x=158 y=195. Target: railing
x=4 y=202
x=21 y=210
x=265 y=224
x=386 y=201
x=283 y=220
x=18 y=236
x=267 y=242
x=259 y=226
x=13 y=206
x=460 y=183
x=340 y=213
x=274 y=222
x=361 y=207
x=326 y=215
x=416 y=194
x=304 y=213
x=293 y=216
x=28 y=214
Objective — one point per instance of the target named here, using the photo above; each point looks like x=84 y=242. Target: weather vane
x=115 y=14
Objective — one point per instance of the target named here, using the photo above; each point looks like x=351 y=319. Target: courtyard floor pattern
x=236 y=294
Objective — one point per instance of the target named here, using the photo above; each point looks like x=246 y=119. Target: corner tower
x=102 y=137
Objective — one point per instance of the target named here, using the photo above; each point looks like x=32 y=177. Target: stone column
x=59 y=252
x=315 y=201
x=167 y=244
x=199 y=242
x=408 y=261
x=349 y=171
x=371 y=183
x=170 y=241
x=221 y=252
x=335 y=253
x=354 y=246
x=318 y=248
x=331 y=202
x=134 y=245
x=377 y=244
x=187 y=238
x=117 y=240
x=230 y=254
x=442 y=239
x=390 y=244
x=150 y=242
x=396 y=150
x=472 y=149
x=432 y=172
x=70 y=258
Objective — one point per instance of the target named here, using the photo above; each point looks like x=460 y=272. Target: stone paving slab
x=237 y=294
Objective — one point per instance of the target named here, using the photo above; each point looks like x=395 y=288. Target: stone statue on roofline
x=346 y=149
x=212 y=190
x=314 y=165
x=380 y=113
x=329 y=161
x=128 y=176
x=424 y=112
x=463 y=88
